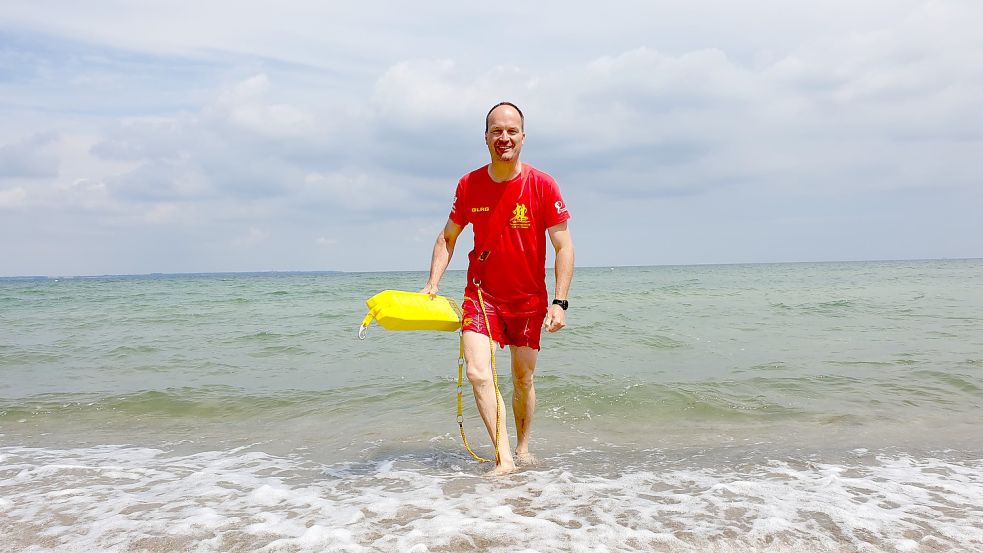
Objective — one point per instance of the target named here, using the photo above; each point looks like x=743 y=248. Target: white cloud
x=251 y=239
x=441 y=94
x=84 y=194
x=245 y=106
x=12 y=197
x=165 y=213
x=162 y=181
x=30 y=157
x=358 y=192
x=148 y=138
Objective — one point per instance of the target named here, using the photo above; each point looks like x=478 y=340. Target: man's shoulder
x=538 y=174
x=475 y=175
x=542 y=182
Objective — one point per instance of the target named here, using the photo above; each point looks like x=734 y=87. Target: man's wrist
x=564 y=304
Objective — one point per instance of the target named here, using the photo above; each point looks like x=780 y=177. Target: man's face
x=504 y=136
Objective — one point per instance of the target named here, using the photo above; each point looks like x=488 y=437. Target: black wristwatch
x=562 y=303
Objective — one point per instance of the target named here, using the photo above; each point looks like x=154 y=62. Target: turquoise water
x=805 y=407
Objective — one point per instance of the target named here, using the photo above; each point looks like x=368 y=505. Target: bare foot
x=502 y=469
x=526 y=458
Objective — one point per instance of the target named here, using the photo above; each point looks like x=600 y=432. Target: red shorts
x=507 y=331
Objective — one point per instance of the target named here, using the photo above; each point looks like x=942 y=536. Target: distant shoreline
x=152 y=276
x=139 y=276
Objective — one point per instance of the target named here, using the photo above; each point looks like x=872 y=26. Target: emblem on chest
x=520 y=216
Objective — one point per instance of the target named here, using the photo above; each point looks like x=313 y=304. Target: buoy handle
x=365 y=325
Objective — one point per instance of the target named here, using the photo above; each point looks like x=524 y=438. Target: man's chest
x=514 y=206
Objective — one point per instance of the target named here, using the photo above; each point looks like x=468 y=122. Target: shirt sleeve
x=459 y=214
x=554 y=208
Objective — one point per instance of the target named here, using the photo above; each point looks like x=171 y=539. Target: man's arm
x=443 y=250
x=563 y=245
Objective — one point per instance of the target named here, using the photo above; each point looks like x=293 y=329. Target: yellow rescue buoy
x=398 y=310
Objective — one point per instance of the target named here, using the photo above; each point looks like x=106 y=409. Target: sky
x=187 y=136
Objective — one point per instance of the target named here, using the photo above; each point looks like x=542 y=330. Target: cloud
x=85 y=195
x=245 y=107
x=244 y=145
x=12 y=197
x=162 y=181
x=440 y=93
x=240 y=144
x=251 y=239
x=358 y=192
x=30 y=157
x=148 y=139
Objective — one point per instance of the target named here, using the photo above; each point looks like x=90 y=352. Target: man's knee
x=522 y=380
x=479 y=374
x=523 y=367
x=478 y=358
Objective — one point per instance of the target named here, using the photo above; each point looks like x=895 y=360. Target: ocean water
x=788 y=407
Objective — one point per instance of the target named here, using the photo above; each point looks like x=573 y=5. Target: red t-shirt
x=513 y=277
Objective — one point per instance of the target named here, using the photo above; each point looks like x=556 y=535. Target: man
x=512 y=207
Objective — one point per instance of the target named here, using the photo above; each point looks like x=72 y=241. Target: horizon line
x=337 y=271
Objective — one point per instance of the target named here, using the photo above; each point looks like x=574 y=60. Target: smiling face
x=504 y=135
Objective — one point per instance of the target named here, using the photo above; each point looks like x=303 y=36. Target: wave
x=175 y=403
x=767 y=392
x=218 y=403
x=642 y=401
x=839 y=307
x=113 y=497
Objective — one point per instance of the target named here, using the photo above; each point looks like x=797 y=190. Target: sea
x=827 y=407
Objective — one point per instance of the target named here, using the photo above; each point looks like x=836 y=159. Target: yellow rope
x=460 y=384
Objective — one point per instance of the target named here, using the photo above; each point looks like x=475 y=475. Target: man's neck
x=501 y=171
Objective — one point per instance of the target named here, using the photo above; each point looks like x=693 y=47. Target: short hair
x=522 y=119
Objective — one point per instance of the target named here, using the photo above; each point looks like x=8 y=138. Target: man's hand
x=556 y=318
x=430 y=289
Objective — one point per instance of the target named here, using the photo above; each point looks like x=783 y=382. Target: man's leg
x=478 y=357
x=523 y=397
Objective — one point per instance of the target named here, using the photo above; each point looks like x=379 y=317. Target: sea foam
x=129 y=498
